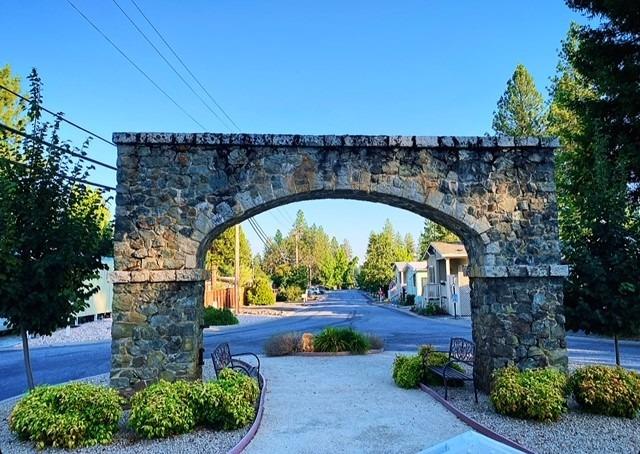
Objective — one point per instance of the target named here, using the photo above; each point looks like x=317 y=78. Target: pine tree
x=434 y=232
x=521 y=110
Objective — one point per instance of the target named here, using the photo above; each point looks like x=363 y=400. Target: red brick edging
x=244 y=442
x=475 y=425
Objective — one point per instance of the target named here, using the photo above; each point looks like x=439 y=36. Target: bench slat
x=451 y=373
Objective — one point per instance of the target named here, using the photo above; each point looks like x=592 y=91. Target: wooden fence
x=221 y=297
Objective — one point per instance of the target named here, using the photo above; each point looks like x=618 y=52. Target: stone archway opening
x=177 y=192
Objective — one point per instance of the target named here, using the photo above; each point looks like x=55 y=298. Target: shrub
x=239 y=396
x=375 y=342
x=341 y=340
x=290 y=294
x=163 y=409
x=216 y=317
x=261 y=293
x=611 y=391
x=410 y=300
x=282 y=344
x=68 y=416
x=430 y=309
x=538 y=394
x=407 y=371
x=431 y=357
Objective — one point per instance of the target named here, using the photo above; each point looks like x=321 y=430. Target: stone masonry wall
x=176 y=192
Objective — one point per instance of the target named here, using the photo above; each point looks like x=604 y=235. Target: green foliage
x=261 y=293
x=538 y=394
x=217 y=317
x=410 y=300
x=341 y=340
x=434 y=232
x=430 y=309
x=51 y=230
x=290 y=294
x=222 y=255
x=611 y=391
x=599 y=219
x=431 y=357
x=164 y=409
x=383 y=249
x=521 y=110
x=68 y=416
x=407 y=371
x=283 y=344
x=12 y=112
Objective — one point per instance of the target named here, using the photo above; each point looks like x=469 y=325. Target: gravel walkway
x=576 y=432
x=200 y=441
x=346 y=404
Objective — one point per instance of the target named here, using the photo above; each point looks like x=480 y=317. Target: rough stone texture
x=176 y=192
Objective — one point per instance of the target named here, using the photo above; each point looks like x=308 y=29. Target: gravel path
x=346 y=404
x=200 y=441
x=576 y=432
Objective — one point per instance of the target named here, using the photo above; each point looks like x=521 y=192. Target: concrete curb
x=369 y=352
x=475 y=425
x=248 y=437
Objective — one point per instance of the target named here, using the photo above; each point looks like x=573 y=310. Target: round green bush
x=407 y=371
x=611 y=391
x=163 y=409
x=218 y=317
x=261 y=293
x=291 y=293
x=537 y=394
x=341 y=340
x=68 y=416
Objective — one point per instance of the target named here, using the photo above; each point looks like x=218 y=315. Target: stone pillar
x=156 y=333
x=518 y=319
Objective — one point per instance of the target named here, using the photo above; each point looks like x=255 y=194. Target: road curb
x=248 y=437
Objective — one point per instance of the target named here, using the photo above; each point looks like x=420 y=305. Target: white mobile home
x=448 y=285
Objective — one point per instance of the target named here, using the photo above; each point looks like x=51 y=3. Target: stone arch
x=176 y=192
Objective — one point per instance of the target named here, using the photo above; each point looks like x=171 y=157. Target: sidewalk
x=346 y=404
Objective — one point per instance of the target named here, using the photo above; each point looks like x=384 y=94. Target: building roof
x=449 y=250
x=417 y=266
x=399 y=265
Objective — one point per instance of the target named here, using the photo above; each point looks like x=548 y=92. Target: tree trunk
x=617 y=348
x=27 y=357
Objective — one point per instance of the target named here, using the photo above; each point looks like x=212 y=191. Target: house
x=398 y=283
x=410 y=279
x=100 y=302
x=448 y=286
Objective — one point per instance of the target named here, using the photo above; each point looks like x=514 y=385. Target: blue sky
x=330 y=67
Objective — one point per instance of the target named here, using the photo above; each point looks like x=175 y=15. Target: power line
x=184 y=65
x=55 y=147
x=140 y=70
x=60 y=117
x=79 y=180
x=142 y=33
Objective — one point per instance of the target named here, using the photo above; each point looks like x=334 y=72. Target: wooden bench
x=222 y=358
x=461 y=351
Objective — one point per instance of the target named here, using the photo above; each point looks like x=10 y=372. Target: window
x=432 y=275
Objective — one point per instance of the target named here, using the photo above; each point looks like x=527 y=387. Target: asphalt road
x=400 y=331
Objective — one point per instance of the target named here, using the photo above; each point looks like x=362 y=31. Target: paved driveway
x=401 y=332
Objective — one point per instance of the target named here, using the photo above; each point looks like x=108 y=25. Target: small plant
x=431 y=357
x=429 y=310
x=407 y=371
x=261 y=293
x=538 y=394
x=290 y=294
x=409 y=300
x=611 y=391
x=163 y=409
x=283 y=344
x=341 y=340
x=375 y=342
x=217 y=317
x=240 y=393
x=68 y=416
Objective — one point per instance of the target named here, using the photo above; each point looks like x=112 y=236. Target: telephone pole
x=237 y=269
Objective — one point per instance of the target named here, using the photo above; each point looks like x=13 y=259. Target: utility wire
x=60 y=117
x=184 y=65
x=142 y=33
x=55 y=147
x=140 y=70
x=79 y=180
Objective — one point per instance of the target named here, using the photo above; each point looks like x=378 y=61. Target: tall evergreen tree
x=12 y=112
x=434 y=232
x=520 y=110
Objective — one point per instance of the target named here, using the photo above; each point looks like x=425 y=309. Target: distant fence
x=221 y=297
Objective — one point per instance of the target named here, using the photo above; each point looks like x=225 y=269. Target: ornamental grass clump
x=611 y=391
x=68 y=416
x=341 y=340
x=537 y=394
x=283 y=344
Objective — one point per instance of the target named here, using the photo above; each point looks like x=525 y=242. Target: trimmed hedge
x=68 y=416
x=217 y=317
x=170 y=408
x=537 y=394
x=611 y=391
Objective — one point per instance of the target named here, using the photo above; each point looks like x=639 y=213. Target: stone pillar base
x=517 y=320
x=156 y=333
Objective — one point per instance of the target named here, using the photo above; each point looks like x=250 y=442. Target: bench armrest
x=248 y=354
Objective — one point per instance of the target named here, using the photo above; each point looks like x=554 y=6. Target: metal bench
x=222 y=358
x=461 y=351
